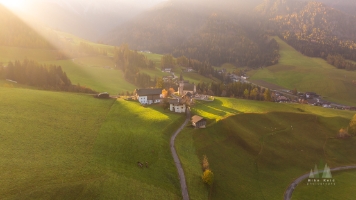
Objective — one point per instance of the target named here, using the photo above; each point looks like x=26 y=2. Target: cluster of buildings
x=177 y=104
x=236 y=78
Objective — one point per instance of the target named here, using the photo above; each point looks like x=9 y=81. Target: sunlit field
x=309 y=74
x=8 y=54
x=256 y=149
x=63 y=145
x=98 y=79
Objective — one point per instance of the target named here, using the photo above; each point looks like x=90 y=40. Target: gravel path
x=183 y=184
x=288 y=193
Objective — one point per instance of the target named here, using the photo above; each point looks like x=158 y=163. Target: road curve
x=183 y=184
x=288 y=193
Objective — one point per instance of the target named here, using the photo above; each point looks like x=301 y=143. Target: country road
x=288 y=193
x=183 y=183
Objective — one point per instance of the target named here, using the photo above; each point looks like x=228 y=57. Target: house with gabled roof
x=149 y=96
x=177 y=105
x=198 y=121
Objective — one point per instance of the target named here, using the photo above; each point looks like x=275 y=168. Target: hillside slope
x=295 y=70
x=195 y=30
x=255 y=149
x=68 y=146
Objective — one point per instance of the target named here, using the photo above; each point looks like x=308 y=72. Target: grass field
x=309 y=74
x=8 y=54
x=345 y=182
x=99 y=79
x=68 y=146
x=229 y=67
x=76 y=41
x=253 y=150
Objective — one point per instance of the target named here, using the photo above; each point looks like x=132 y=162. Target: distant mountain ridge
x=184 y=28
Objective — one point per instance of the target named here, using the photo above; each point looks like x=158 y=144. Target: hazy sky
x=21 y=4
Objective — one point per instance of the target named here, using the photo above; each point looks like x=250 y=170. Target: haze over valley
x=177 y=99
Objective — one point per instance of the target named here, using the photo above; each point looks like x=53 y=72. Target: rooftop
x=151 y=91
x=197 y=118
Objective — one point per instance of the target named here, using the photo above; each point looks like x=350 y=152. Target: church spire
x=181 y=77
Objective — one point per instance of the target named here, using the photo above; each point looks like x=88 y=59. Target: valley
x=224 y=64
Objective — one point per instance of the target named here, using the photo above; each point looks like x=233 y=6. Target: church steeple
x=181 y=77
x=181 y=84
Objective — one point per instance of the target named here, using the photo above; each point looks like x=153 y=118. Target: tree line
x=48 y=77
x=236 y=89
x=130 y=62
x=310 y=28
x=339 y=62
x=224 y=41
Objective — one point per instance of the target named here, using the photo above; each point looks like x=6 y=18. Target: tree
x=171 y=91
x=246 y=93
x=205 y=163
x=167 y=60
x=183 y=61
x=267 y=95
x=254 y=93
x=208 y=177
x=159 y=83
x=343 y=133
x=164 y=93
x=352 y=126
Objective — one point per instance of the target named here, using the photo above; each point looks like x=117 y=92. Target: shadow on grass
x=216 y=108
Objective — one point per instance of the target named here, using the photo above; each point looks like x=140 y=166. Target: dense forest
x=313 y=28
x=213 y=37
x=210 y=35
x=221 y=40
x=48 y=77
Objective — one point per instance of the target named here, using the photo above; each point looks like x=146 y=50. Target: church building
x=185 y=87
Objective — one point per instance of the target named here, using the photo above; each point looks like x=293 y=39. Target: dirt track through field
x=177 y=162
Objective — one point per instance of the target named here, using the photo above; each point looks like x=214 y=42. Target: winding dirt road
x=288 y=193
x=183 y=183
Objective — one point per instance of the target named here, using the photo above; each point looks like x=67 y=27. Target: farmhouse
x=168 y=70
x=198 y=122
x=177 y=105
x=148 y=96
x=189 y=69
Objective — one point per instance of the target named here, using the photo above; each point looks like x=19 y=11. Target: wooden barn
x=198 y=122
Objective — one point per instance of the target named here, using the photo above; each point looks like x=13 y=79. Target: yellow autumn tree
x=208 y=177
x=352 y=126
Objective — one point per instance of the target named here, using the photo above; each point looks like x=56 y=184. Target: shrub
x=208 y=177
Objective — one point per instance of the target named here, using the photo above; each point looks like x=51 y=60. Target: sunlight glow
x=13 y=4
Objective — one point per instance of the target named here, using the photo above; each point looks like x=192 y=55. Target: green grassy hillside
x=99 y=79
x=256 y=149
x=309 y=74
x=16 y=53
x=345 y=182
x=68 y=146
